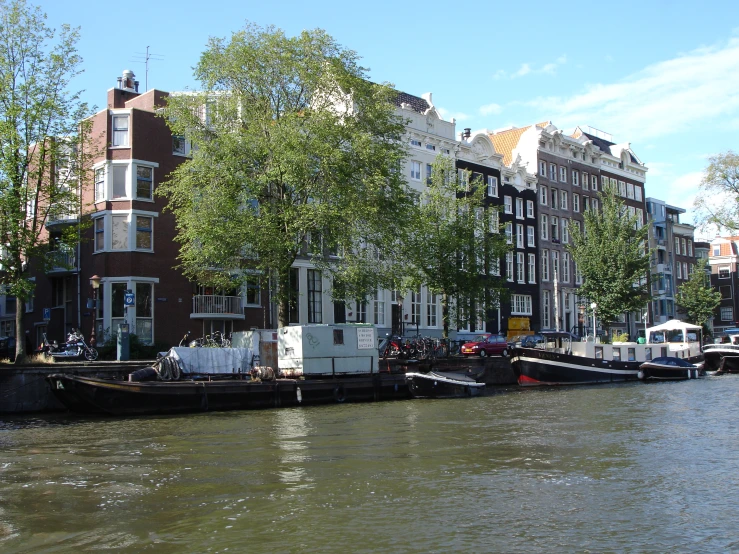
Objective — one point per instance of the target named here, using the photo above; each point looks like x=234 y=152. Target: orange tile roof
x=506 y=141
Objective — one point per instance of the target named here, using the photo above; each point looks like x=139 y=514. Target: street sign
x=128 y=299
x=47 y=314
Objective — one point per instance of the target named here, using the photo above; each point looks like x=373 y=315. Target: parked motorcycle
x=75 y=347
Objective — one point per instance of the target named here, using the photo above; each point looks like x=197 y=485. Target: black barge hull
x=534 y=367
x=106 y=397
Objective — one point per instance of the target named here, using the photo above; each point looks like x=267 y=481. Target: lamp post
x=95 y=283
x=593 y=306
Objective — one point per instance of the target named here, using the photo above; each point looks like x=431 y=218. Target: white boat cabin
x=673 y=338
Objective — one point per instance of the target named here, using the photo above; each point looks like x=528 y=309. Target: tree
x=718 y=200
x=41 y=142
x=291 y=145
x=612 y=256
x=454 y=247
x=696 y=296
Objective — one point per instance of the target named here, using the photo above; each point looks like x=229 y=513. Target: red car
x=486 y=345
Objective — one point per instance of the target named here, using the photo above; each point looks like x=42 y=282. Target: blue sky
x=662 y=75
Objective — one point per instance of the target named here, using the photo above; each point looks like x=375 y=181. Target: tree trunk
x=20 y=335
x=284 y=296
x=445 y=315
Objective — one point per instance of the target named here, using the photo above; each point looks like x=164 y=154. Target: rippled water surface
x=629 y=468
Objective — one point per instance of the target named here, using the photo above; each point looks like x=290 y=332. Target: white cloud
x=447 y=115
x=664 y=98
x=491 y=109
x=528 y=69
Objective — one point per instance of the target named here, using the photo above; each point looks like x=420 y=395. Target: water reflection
x=608 y=468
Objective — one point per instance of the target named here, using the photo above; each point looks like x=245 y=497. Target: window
x=555 y=199
x=415 y=307
x=563 y=174
x=723 y=272
x=507 y=205
x=378 y=311
x=565 y=231
x=616 y=353
x=315 y=296
x=545 y=265
x=416 y=170
x=494 y=221
x=464 y=179
x=566 y=267
x=690 y=248
x=563 y=203
x=542 y=168
x=725 y=292
x=545 y=308
x=521 y=304
x=639 y=218
x=532 y=268
x=544 y=227
x=119 y=235
x=594 y=182
x=543 y=195
x=685 y=247
x=637 y=193
x=99 y=184
x=519 y=208
x=144 y=319
x=585 y=181
x=555 y=263
x=555 y=229
x=252 y=293
x=594 y=205
x=603 y=182
x=575 y=202
x=552 y=172
x=144 y=182
x=519 y=236
x=144 y=226
x=120 y=174
x=492 y=186
x=630 y=190
x=99 y=234
x=415 y=142
x=520 y=268
x=180 y=145
x=530 y=209
x=575 y=178
x=679 y=270
x=727 y=313
x=509 y=232
x=685 y=271
x=429 y=173
x=716 y=250
x=431 y=302
x=509 y=266
x=677 y=246
x=585 y=203
x=120 y=130
x=430 y=147
x=578 y=276
x=530 y=235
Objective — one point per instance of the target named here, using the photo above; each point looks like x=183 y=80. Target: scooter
x=75 y=347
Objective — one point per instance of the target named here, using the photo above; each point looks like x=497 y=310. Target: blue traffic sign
x=128 y=299
x=47 y=314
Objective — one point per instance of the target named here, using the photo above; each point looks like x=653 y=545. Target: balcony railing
x=62 y=218
x=60 y=261
x=210 y=306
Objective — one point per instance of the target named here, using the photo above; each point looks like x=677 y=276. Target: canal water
x=611 y=468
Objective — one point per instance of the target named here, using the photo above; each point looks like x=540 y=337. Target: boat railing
x=723 y=347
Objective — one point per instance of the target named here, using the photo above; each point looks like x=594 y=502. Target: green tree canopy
x=40 y=147
x=612 y=256
x=696 y=296
x=291 y=142
x=454 y=246
x=718 y=200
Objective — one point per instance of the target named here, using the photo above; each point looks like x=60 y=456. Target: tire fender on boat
x=640 y=375
x=339 y=393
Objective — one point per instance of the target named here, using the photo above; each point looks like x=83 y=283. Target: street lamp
x=95 y=283
x=593 y=306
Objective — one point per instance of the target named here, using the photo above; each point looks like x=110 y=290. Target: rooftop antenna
x=144 y=58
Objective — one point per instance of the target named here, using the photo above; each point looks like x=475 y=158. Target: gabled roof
x=417 y=104
x=605 y=145
x=506 y=141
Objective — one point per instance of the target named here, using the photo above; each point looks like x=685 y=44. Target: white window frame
x=532 y=268
x=545 y=265
x=594 y=182
x=543 y=195
x=575 y=202
x=508 y=204
x=519 y=236
x=546 y=308
x=107 y=229
x=563 y=174
x=509 y=266
x=415 y=170
x=544 y=227
x=530 y=208
x=727 y=313
x=130 y=181
x=520 y=267
x=509 y=232
x=553 y=172
x=565 y=231
x=492 y=186
x=519 y=208
x=521 y=304
x=530 y=235
x=118 y=116
x=575 y=178
x=542 y=168
x=563 y=200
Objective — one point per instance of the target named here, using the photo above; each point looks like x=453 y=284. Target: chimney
x=467 y=132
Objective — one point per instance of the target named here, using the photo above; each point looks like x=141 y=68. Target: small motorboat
x=435 y=384
x=669 y=368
